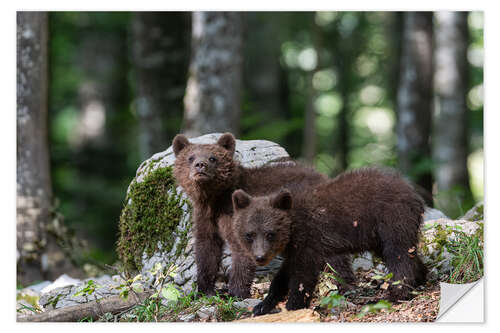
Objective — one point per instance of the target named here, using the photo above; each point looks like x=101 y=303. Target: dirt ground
x=424 y=307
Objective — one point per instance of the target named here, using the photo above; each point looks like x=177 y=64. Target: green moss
x=151 y=217
x=441 y=236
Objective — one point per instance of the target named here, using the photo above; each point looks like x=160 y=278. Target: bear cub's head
x=262 y=225
x=204 y=165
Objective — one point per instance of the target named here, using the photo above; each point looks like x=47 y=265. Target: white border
x=492 y=114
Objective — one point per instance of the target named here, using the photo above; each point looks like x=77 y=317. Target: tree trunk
x=262 y=70
x=160 y=43
x=414 y=98
x=348 y=46
x=309 y=146
x=450 y=138
x=34 y=190
x=212 y=101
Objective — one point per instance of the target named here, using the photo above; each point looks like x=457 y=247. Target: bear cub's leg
x=241 y=276
x=301 y=286
x=208 y=252
x=277 y=291
x=400 y=254
x=342 y=264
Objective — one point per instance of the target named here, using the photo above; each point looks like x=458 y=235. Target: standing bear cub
x=367 y=209
x=209 y=174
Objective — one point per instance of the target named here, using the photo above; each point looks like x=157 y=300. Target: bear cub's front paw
x=261 y=309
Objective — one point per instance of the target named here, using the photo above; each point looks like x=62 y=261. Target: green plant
x=26 y=307
x=88 y=289
x=225 y=309
x=333 y=275
x=467 y=261
x=333 y=300
x=374 y=308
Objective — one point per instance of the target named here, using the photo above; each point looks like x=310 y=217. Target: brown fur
x=209 y=175
x=367 y=209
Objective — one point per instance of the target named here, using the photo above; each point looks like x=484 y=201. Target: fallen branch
x=94 y=309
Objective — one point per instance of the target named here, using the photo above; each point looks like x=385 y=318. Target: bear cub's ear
x=282 y=200
x=228 y=142
x=180 y=142
x=240 y=199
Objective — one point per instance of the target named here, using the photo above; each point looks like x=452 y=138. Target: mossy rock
x=155 y=223
x=437 y=235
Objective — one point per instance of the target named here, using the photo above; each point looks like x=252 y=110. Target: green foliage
x=374 y=308
x=30 y=308
x=88 y=289
x=333 y=300
x=169 y=303
x=467 y=262
x=151 y=214
x=226 y=311
x=333 y=274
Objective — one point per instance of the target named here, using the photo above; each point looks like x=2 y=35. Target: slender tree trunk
x=343 y=134
x=347 y=49
x=395 y=31
x=414 y=99
x=450 y=138
x=38 y=254
x=309 y=146
x=34 y=191
x=212 y=101
x=160 y=43
x=262 y=70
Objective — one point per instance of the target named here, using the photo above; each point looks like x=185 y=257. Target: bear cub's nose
x=259 y=259
x=200 y=166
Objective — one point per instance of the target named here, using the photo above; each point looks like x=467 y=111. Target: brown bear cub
x=209 y=174
x=366 y=209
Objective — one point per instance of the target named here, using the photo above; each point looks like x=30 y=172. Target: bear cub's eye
x=249 y=237
x=191 y=159
x=270 y=236
x=212 y=159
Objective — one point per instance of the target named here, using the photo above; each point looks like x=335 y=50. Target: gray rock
x=363 y=261
x=433 y=214
x=206 y=312
x=476 y=213
x=62 y=281
x=39 y=286
x=187 y=317
x=247 y=303
x=64 y=296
